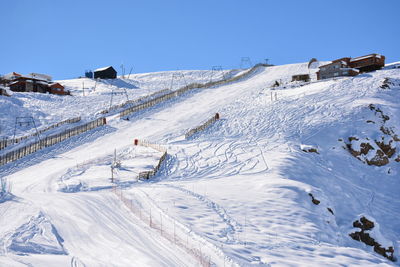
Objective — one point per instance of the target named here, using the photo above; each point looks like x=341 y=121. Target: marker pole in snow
x=112 y=174
x=174 y=233
x=161 y=223
x=150 y=217
x=130 y=72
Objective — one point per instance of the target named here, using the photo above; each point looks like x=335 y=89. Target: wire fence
x=157 y=221
x=49 y=141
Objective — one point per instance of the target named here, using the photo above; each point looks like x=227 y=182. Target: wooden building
x=29 y=85
x=351 y=66
x=34 y=82
x=368 y=63
x=337 y=68
x=301 y=78
x=105 y=73
x=58 y=89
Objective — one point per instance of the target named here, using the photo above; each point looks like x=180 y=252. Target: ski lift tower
x=245 y=62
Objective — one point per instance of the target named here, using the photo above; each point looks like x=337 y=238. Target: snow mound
x=38 y=236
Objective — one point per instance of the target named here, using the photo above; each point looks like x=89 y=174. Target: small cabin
x=29 y=85
x=301 y=78
x=105 y=73
x=3 y=92
x=58 y=89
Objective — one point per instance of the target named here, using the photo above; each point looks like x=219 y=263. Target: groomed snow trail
x=241 y=186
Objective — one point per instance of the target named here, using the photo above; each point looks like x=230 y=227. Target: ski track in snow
x=232 y=225
x=249 y=163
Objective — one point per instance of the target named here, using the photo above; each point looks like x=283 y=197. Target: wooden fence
x=202 y=127
x=8 y=142
x=49 y=141
x=185 y=89
x=149 y=174
x=135 y=101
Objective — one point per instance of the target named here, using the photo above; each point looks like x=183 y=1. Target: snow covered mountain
x=304 y=174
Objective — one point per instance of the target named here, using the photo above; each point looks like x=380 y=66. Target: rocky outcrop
x=389 y=83
x=364 y=236
x=309 y=149
x=314 y=200
x=369 y=151
x=378 y=151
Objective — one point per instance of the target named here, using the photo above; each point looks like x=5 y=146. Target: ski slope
x=241 y=187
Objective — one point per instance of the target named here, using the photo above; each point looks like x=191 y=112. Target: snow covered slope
x=279 y=180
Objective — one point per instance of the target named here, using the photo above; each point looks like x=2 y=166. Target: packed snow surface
x=240 y=191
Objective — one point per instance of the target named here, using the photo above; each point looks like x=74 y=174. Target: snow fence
x=185 y=89
x=9 y=142
x=202 y=127
x=134 y=101
x=149 y=174
x=49 y=141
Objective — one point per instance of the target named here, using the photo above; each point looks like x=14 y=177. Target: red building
x=34 y=82
x=58 y=89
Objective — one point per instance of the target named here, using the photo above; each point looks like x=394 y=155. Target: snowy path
x=242 y=185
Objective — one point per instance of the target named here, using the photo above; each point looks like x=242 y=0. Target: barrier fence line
x=9 y=142
x=133 y=101
x=150 y=219
x=149 y=174
x=202 y=127
x=183 y=90
x=49 y=141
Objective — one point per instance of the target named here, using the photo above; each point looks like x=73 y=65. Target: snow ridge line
x=148 y=219
x=185 y=89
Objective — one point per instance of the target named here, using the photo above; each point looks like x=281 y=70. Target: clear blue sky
x=63 y=38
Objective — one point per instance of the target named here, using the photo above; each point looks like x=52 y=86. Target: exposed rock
x=330 y=210
x=386 y=130
x=365 y=225
x=388 y=149
x=309 y=149
x=380 y=159
x=397 y=159
x=375 y=153
x=314 y=200
x=389 y=83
